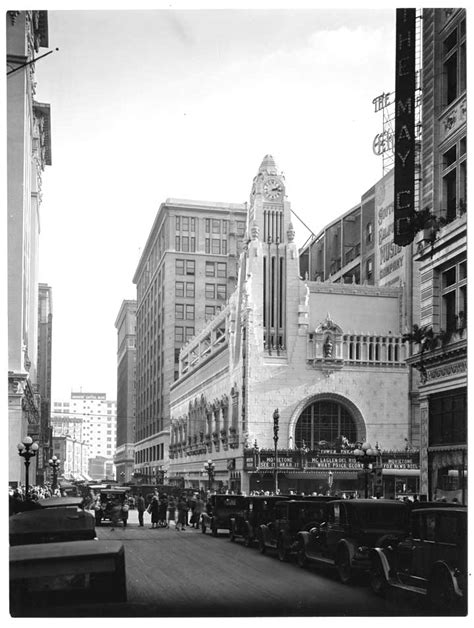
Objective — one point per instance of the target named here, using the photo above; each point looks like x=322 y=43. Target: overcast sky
x=147 y=105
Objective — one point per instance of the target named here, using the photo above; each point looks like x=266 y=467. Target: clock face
x=272 y=189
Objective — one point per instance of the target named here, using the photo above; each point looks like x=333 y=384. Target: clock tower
x=274 y=252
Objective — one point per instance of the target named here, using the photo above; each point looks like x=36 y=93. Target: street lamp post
x=27 y=449
x=209 y=467
x=276 y=427
x=367 y=457
x=54 y=463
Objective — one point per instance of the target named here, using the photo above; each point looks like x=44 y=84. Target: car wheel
x=343 y=565
x=282 y=551
x=441 y=593
x=301 y=556
x=261 y=545
x=378 y=583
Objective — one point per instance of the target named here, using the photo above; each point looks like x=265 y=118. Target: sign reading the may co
x=405 y=84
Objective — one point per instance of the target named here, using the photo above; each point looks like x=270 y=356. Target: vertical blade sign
x=404 y=192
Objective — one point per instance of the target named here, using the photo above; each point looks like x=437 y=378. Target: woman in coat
x=182 y=512
x=153 y=509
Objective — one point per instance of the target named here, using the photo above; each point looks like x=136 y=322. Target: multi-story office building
x=126 y=405
x=28 y=152
x=90 y=418
x=441 y=356
x=45 y=333
x=186 y=272
x=73 y=458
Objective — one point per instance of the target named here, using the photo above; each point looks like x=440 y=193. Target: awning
x=401 y=472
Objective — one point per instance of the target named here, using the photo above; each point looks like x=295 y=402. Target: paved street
x=171 y=573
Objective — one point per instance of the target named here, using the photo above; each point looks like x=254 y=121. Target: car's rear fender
x=441 y=565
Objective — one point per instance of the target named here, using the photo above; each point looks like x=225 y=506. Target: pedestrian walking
x=163 y=507
x=153 y=509
x=182 y=513
x=140 y=509
x=171 y=509
x=199 y=508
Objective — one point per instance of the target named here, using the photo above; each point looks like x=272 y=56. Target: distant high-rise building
x=45 y=328
x=126 y=361
x=187 y=270
x=90 y=418
x=28 y=152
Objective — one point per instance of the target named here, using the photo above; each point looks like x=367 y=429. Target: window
x=190 y=289
x=179 y=266
x=454 y=63
x=185 y=223
x=221 y=292
x=448 y=418
x=193 y=225
x=190 y=267
x=189 y=312
x=185 y=244
x=369 y=269
x=221 y=269
x=210 y=291
x=177 y=243
x=216 y=226
x=179 y=289
x=208 y=225
x=240 y=228
x=224 y=247
x=453 y=179
x=210 y=269
x=207 y=246
x=189 y=333
x=224 y=226
x=369 y=233
x=192 y=244
x=179 y=311
x=216 y=247
x=324 y=421
x=179 y=334
x=209 y=312
x=454 y=298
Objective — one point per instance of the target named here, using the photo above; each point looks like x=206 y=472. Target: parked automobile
x=430 y=561
x=289 y=518
x=348 y=530
x=54 y=520
x=259 y=509
x=110 y=499
x=219 y=511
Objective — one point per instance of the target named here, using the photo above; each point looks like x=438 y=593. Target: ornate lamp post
x=367 y=457
x=27 y=449
x=54 y=463
x=209 y=467
x=276 y=427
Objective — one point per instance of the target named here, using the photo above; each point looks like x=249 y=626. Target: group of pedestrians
x=164 y=509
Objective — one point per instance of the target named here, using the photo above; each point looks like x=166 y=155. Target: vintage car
x=259 y=510
x=348 y=530
x=430 y=561
x=54 y=520
x=219 y=511
x=110 y=499
x=290 y=516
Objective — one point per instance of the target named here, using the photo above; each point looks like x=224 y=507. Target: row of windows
x=212 y=225
x=185 y=244
x=213 y=246
x=183 y=312
x=183 y=334
x=150 y=453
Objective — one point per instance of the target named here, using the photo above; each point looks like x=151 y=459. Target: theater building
x=328 y=356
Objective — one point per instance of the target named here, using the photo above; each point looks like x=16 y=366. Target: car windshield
x=388 y=517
